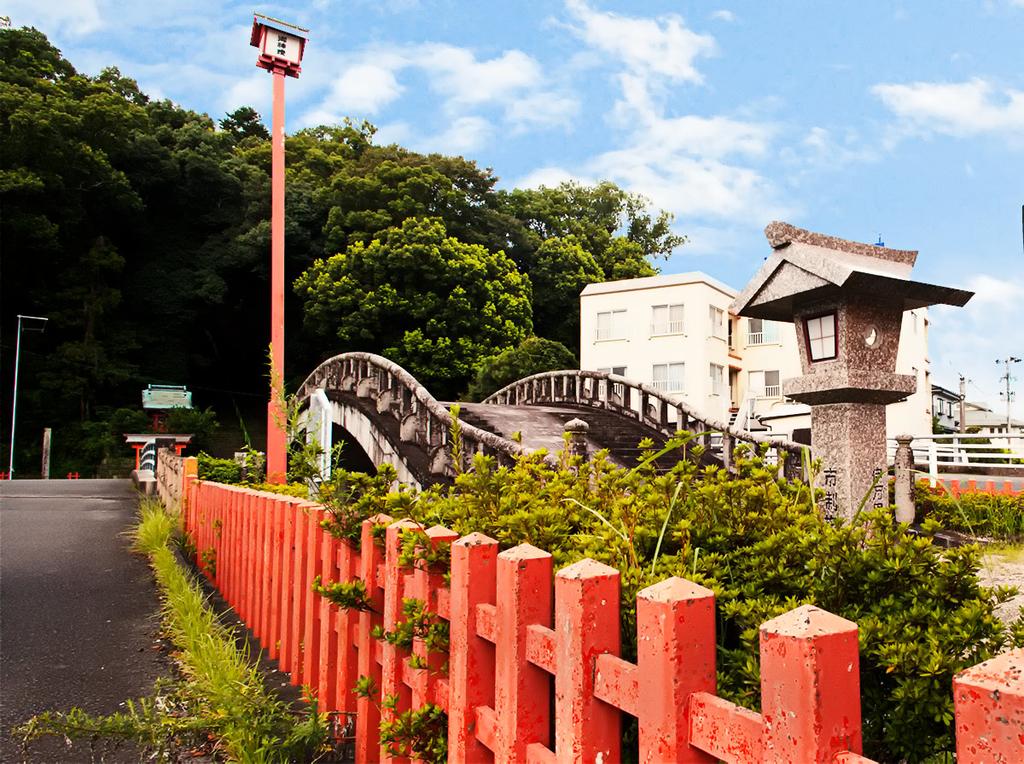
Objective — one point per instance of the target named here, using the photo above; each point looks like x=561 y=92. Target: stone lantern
x=847 y=300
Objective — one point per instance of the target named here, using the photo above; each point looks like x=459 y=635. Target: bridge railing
x=529 y=646
x=647 y=405
x=422 y=419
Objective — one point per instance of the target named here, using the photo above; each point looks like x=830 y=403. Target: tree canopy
x=141 y=229
x=422 y=298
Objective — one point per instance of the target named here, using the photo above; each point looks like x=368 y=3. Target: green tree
x=532 y=356
x=561 y=269
x=424 y=299
x=245 y=122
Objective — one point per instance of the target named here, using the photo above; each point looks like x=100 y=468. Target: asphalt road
x=78 y=620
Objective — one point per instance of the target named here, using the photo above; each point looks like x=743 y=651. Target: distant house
x=675 y=333
x=945 y=409
x=984 y=421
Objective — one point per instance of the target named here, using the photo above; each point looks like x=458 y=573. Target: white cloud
x=542 y=109
x=663 y=46
x=362 y=89
x=960 y=109
x=370 y=81
x=74 y=18
x=724 y=15
x=968 y=340
x=458 y=75
x=463 y=135
x=550 y=177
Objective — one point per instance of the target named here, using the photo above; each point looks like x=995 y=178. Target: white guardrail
x=977 y=452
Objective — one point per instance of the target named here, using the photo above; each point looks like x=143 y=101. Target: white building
x=675 y=333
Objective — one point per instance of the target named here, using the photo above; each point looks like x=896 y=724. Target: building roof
x=977 y=418
x=808 y=266
x=944 y=392
x=657 y=282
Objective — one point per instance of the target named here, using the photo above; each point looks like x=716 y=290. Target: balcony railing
x=772 y=391
x=667 y=327
x=668 y=385
x=762 y=338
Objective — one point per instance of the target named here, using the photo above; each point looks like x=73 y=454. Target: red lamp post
x=281 y=46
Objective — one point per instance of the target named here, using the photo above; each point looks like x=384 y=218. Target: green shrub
x=980 y=514
x=219 y=470
x=761 y=545
x=532 y=356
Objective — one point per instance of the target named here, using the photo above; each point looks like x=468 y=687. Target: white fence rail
x=986 y=454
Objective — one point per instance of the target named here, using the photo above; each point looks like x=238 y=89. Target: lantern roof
x=809 y=267
x=282 y=26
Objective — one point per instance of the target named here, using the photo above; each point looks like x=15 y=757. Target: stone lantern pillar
x=847 y=300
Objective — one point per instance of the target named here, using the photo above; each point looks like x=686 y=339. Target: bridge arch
x=645 y=405
x=396 y=420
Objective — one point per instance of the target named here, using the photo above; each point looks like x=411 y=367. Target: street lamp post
x=14 y=397
x=281 y=46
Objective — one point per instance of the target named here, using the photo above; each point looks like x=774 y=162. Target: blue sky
x=854 y=119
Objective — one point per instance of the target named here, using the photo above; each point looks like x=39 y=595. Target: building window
x=717 y=376
x=764 y=384
x=666 y=319
x=716 y=317
x=761 y=332
x=821 y=337
x=619 y=370
x=611 y=325
x=667 y=377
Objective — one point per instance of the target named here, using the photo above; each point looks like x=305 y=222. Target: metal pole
x=963 y=403
x=14 y=400
x=47 y=436
x=276 y=437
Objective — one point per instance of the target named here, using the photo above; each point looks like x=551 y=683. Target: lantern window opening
x=821 y=337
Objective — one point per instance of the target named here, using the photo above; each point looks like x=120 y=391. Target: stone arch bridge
x=395 y=419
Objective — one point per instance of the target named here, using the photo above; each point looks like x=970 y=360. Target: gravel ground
x=1005 y=568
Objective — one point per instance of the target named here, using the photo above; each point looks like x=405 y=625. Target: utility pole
x=963 y=403
x=1008 y=379
x=45 y=471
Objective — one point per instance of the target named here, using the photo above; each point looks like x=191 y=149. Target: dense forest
x=141 y=229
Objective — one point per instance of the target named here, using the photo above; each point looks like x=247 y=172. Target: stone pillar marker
x=847 y=300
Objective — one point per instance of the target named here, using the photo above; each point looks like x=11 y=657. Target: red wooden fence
x=519 y=633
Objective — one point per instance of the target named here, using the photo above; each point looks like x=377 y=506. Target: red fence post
x=521 y=694
x=471 y=658
x=328 y=668
x=810 y=686
x=298 y=591
x=264 y=582
x=393 y=657
x=429 y=582
x=283 y=621
x=989 y=703
x=675 y=658
x=274 y=573
x=367 y=712
x=348 y=631
x=314 y=567
x=586 y=625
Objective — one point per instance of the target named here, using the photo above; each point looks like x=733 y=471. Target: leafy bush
x=532 y=356
x=980 y=514
x=762 y=546
x=201 y=423
x=219 y=470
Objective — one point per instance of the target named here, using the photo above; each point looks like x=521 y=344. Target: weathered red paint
x=810 y=686
x=586 y=625
x=521 y=694
x=989 y=702
x=471 y=665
